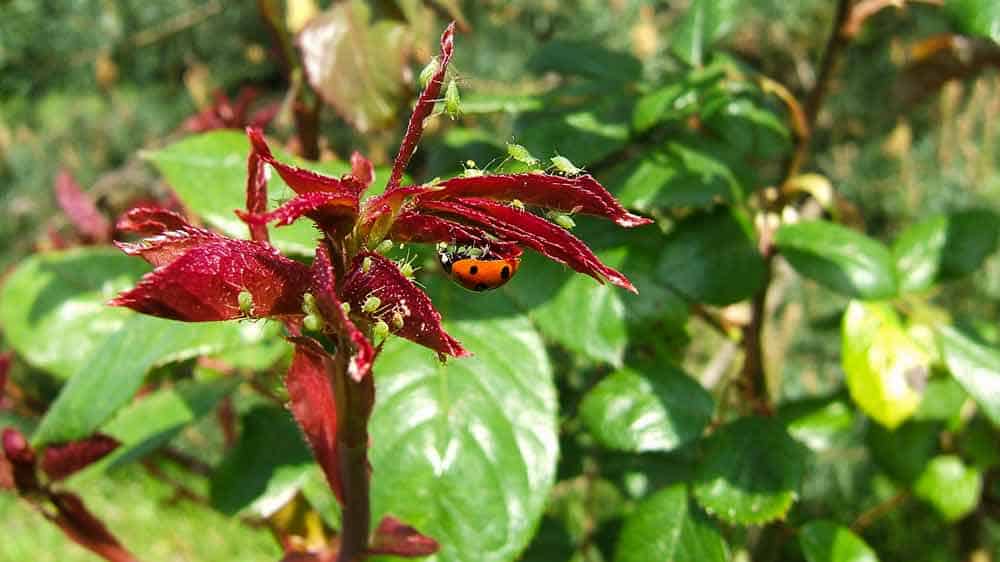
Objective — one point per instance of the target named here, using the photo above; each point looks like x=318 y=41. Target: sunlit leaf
x=657 y=409
x=839 y=258
x=751 y=471
x=952 y=487
x=668 y=526
x=826 y=541
x=886 y=370
x=976 y=367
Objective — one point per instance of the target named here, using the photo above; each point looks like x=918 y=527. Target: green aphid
x=452 y=100
x=366 y=264
x=311 y=322
x=245 y=302
x=406 y=269
x=562 y=220
x=428 y=72
x=309 y=304
x=564 y=165
x=371 y=304
x=346 y=307
x=381 y=329
x=517 y=204
x=384 y=247
x=397 y=320
x=520 y=153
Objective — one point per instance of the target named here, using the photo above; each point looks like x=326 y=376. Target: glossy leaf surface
x=826 y=541
x=668 y=526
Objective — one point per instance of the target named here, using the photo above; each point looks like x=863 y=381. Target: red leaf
x=299 y=179
x=204 y=284
x=88 y=531
x=396 y=538
x=332 y=211
x=60 y=461
x=150 y=221
x=256 y=195
x=323 y=289
x=578 y=194
x=21 y=457
x=311 y=400
x=5 y=360
x=362 y=170
x=166 y=247
x=425 y=104
x=413 y=226
x=81 y=210
x=554 y=242
x=398 y=296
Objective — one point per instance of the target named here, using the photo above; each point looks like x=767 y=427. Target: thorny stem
x=753 y=375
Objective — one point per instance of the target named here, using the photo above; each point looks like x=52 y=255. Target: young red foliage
x=397 y=295
x=73 y=517
x=204 y=283
x=60 y=461
x=395 y=538
x=323 y=289
x=81 y=210
x=578 y=194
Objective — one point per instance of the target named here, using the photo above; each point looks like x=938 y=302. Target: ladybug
x=474 y=269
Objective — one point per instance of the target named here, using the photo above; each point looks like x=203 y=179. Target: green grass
x=139 y=510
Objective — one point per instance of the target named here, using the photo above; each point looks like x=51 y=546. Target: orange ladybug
x=473 y=269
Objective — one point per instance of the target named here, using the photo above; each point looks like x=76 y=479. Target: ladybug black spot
x=505 y=272
x=474 y=270
x=481 y=286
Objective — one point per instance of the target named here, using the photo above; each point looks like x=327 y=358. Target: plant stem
x=753 y=374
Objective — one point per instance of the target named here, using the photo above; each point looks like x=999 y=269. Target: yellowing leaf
x=886 y=369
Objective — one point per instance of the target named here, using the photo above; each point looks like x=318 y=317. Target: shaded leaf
x=886 y=370
x=839 y=258
x=826 y=541
x=712 y=258
x=267 y=466
x=668 y=526
x=587 y=59
x=651 y=410
x=903 y=452
x=751 y=471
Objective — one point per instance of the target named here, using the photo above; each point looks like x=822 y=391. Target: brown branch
x=177 y=24
x=878 y=511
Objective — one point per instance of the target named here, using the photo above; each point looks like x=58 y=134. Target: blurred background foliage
x=89 y=84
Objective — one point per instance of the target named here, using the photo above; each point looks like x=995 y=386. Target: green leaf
x=817 y=422
x=654 y=410
x=976 y=367
x=886 y=370
x=573 y=311
x=209 y=173
x=950 y=486
x=839 y=258
x=751 y=471
x=713 y=258
x=675 y=175
x=826 y=541
x=466 y=451
x=667 y=526
x=54 y=313
x=705 y=22
x=918 y=253
x=945 y=247
x=149 y=423
x=587 y=59
x=115 y=371
x=267 y=466
x=972 y=237
x=904 y=452
x=975 y=17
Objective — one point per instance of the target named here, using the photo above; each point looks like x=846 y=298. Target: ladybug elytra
x=474 y=269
